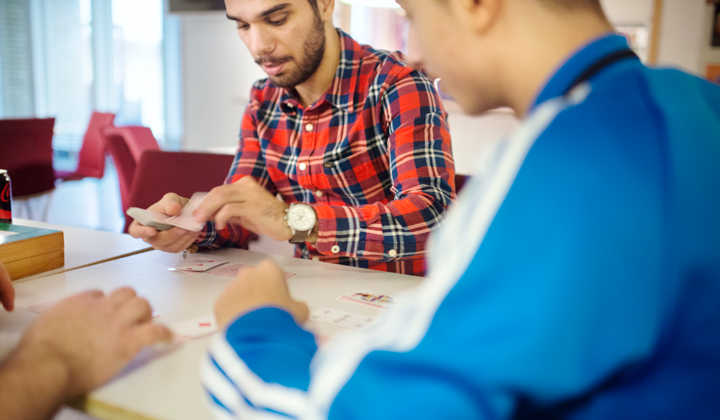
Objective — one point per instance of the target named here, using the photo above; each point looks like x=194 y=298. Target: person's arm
x=532 y=308
x=249 y=162
x=75 y=347
x=423 y=178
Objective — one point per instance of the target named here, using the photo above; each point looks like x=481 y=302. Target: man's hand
x=172 y=240
x=92 y=336
x=254 y=288
x=248 y=204
x=7 y=292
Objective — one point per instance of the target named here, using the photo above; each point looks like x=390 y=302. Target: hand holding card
x=149 y=218
x=185 y=219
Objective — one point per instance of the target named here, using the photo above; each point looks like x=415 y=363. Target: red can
x=5 y=197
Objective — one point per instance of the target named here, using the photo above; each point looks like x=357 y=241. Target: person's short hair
x=574 y=4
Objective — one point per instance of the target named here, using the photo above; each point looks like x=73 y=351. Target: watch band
x=299 y=236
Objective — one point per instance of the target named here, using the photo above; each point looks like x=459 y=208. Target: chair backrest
x=91 y=159
x=124 y=163
x=138 y=139
x=183 y=173
x=26 y=152
x=460 y=181
x=126 y=145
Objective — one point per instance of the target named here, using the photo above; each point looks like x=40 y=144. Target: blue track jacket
x=577 y=277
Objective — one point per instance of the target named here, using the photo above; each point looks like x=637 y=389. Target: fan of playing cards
x=162 y=221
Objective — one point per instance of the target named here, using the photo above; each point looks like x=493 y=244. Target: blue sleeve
x=560 y=297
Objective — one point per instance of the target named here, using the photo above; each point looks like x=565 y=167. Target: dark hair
x=574 y=4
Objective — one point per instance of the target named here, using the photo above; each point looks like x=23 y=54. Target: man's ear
x=480 y=14
x=326 y=8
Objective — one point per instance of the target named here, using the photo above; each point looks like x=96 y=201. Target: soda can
x=5 y=197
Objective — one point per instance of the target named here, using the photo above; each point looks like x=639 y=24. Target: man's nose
x=261 y=42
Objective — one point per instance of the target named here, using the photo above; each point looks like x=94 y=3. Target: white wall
x=218 y=72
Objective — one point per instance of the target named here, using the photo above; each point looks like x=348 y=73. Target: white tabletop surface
x=167 y=386
x=86 y=246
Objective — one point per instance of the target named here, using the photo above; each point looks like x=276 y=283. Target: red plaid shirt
x=372 y=156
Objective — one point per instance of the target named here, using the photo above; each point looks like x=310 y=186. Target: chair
x=460 y=181
x=183 y=173
x=91 y=159
x=126 y=145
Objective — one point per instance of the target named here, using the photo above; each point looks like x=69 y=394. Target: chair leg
x=46 y=211
x=28 y=209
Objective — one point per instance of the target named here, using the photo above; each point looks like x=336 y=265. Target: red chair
x=126 y=146
x=26 y=153
x=460 y=181
x=183 y=173
x=91 y=159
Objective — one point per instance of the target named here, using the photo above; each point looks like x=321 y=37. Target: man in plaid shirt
x=355 y=134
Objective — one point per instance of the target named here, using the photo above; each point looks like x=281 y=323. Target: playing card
x=342 y=319
x=149 y=218
x=370 y=299
x=185 y=219
x=199 y=264
x=194 y=328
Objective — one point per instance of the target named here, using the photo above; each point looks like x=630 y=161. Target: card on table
x=370 y=299
x=199 y=265
x=149 y=218
x=194 y=328
x=231 y=271
x=342 y=319
x=185 y=219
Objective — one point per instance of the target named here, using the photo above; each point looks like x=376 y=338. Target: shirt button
x=335 y=249
x=318 y=193
x=392 y=253
x=302 y=166
x=309 y=127
x=316 y=258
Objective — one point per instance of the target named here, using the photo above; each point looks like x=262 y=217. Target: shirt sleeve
x=423 y=178
x=248 y=161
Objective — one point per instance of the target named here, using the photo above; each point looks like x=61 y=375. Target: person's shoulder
x=386 y=66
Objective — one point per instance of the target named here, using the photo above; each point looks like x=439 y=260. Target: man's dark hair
x=313 y=4
x=574 y=4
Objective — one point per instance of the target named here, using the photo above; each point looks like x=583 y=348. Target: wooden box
x=27 y=250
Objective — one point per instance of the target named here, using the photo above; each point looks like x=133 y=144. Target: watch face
x=301 y=218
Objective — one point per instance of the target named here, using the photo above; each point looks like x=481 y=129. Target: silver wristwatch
x=301 y=220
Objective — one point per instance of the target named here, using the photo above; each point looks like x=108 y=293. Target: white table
x=168 y=386
x=85 y=247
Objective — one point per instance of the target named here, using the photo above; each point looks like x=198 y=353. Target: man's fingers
x=7 y=291
x=118 y=297
x=300 y=312
x=146 y=335
x=171 y=204
x=136 y=230
x=221 y=196
x=135 y=311
x=229 y=212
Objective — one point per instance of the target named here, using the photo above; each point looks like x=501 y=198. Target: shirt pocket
x=355 y=178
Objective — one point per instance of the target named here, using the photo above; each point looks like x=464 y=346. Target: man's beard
x=314 y=49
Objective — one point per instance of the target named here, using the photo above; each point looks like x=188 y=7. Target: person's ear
x=481 y=15
x=326 y=9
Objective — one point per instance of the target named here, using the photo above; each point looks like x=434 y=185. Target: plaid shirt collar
x=340 y=94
